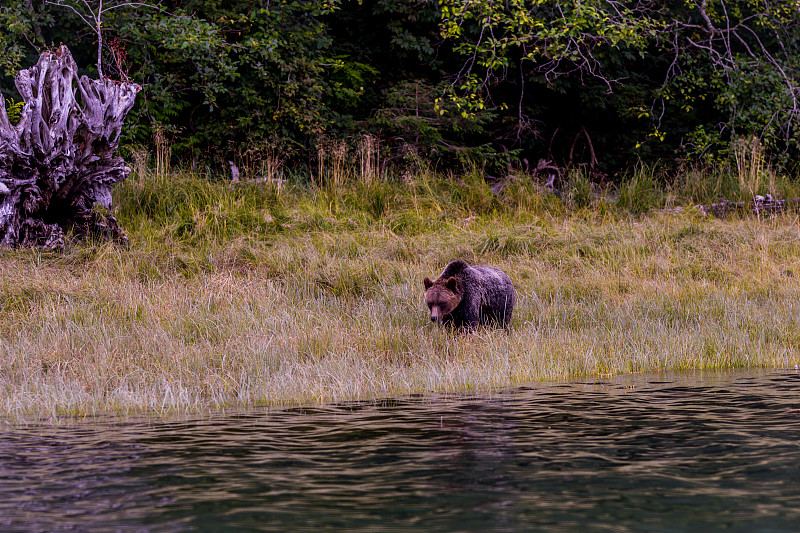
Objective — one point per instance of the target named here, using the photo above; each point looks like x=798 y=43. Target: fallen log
x=57 y=164
x=759 y=205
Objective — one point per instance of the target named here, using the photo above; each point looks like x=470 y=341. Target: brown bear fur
x=466 y=296
x=442 y=297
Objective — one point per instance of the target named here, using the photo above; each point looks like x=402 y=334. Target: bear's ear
x=452 y=284
x=428 y=283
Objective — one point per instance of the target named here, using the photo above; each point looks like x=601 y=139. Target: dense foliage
x=600 y=83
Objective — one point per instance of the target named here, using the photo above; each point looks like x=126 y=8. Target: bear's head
x=442 y=296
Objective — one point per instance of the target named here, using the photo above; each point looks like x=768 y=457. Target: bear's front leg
x=472 y=317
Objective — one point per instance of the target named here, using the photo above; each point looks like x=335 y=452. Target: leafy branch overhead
x=697 y=54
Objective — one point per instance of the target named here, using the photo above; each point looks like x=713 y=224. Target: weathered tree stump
x=57 y=164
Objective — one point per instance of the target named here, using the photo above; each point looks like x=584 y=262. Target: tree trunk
x=57 y=165
x=759 y=205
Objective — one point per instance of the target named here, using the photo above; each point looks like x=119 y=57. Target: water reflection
x=681 y=453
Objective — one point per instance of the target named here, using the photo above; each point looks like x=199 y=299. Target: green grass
x=255 y=296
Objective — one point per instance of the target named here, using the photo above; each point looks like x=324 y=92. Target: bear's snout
x=436 y=313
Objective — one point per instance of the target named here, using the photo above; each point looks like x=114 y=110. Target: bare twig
x=92 y=13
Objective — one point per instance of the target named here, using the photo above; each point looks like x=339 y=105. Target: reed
x=163 y=151
x=252 y=296
x=369 y=157
x=752 y=167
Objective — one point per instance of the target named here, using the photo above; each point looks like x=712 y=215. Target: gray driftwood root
x=58 y=164
x=759 y=205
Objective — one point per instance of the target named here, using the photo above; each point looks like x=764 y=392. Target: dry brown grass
x=312 y=301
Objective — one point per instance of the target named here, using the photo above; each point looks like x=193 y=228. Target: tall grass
x=272 y=296
x=752 y=167
x=749 y=173
x=163 y=151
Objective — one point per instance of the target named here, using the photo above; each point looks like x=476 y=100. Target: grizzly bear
x=466 y=296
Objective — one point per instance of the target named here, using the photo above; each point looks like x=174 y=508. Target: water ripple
x=638 y=453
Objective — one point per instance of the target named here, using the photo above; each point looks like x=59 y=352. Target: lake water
x=692 y=452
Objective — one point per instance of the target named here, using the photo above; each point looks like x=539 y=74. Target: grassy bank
x=260 y=295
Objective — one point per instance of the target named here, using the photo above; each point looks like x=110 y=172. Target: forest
x=452 y=84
